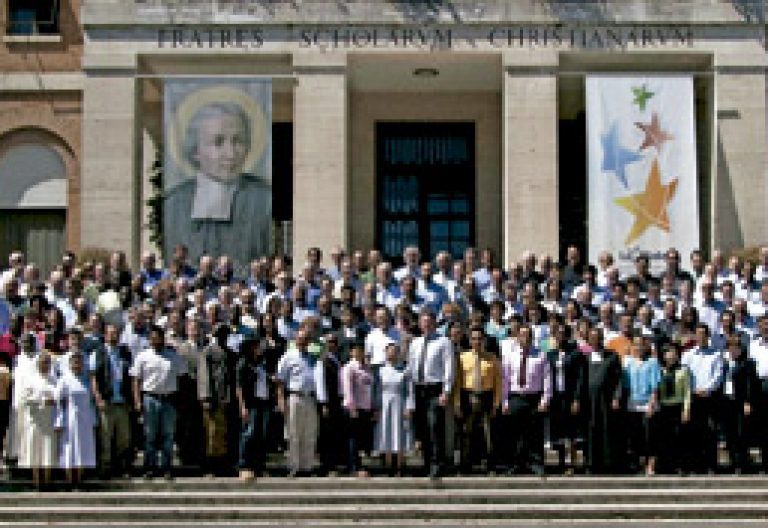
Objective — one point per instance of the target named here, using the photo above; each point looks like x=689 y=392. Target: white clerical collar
x=213 y=199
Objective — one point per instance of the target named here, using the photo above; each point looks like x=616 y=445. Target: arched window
x=33 y=202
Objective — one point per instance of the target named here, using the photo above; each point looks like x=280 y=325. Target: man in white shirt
x=346 y=277
x=387 y=290
x=14 y=270
x=759 y=307
x=156 y=371
x=710 y=308
x=431 y=367
x=411 y=257
x=377 y=339
x=443 y=273
x=433 y=295
x=282 y=291
x=706 y=366
x=301 y=388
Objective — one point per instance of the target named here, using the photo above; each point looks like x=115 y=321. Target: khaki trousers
x=302 y=432
x=215 y=426
x=115 y=436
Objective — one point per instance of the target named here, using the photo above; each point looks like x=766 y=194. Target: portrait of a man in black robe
x=221 y=208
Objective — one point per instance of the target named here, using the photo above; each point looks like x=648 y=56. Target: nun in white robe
x=24 y=369
x=76 y=421
x=35 y=419
x=395 y=396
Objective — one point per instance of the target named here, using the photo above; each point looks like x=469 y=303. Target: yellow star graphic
x=649 y=206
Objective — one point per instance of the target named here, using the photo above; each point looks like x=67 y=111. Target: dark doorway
x=282 y=186
x=425 y=174
x=572 y=194
x=282 y=172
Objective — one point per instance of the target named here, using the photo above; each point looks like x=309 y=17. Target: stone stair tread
x=409 y=523
x=382 y=493
x=379 y=508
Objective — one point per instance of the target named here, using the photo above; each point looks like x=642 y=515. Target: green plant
x=155 y=202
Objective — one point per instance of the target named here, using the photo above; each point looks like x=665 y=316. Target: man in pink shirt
x=526 y=390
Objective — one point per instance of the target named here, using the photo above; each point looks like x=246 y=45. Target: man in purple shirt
x=526 y=390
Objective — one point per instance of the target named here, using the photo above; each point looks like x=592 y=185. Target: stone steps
x=461 y=501
x=361 y=513
x=376 y=497
x=725 y=482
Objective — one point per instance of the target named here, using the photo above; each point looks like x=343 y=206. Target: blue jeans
x=253 y=438
x=159 y=428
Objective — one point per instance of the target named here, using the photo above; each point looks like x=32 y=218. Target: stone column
x=320 y=181
x=740 y=189
x=111 y=183
x=529 y=152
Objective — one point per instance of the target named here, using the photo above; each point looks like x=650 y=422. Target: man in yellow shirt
x=477 y=396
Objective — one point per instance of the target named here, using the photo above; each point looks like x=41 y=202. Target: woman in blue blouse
x=642 y=373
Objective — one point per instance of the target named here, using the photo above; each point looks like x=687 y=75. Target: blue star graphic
x=615 y=157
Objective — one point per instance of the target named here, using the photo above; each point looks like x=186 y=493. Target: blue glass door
x=425 y=187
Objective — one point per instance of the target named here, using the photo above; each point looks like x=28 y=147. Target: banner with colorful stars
x=642 y=188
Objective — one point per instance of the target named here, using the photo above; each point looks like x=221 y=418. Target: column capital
x=526 y=60
x=320 y=63
x=111 y=64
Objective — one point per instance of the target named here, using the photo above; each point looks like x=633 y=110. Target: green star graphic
x=641 y=96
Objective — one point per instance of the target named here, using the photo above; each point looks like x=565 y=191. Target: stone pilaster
x=529 y=153
x=111 y=183
x=320 y=181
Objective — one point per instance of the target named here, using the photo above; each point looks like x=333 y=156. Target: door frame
x=466 y=129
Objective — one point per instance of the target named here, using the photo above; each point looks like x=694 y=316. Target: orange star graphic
x=650 y=206
x=654 y=135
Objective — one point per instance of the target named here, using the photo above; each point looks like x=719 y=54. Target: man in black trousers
x=431 y=366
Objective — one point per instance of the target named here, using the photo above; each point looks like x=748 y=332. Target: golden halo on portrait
x=193 y=102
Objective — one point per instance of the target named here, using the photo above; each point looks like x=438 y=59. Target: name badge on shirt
x=560 y=376
x=260 y=387
x=729 y=388
x=595 y=357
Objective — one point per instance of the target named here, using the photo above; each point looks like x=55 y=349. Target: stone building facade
x=40 y=127
x=503 y=82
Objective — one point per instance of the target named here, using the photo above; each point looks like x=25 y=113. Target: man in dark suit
x=738 y=390
x=569 y=369
x=330 y=422
x=111 y=386
x=348 y=333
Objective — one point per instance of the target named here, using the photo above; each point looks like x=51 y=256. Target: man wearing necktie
x=526 y=391
x=738 y=390
x=476 y=398
x=302 y=377
x=431 y=366
x=111 y=387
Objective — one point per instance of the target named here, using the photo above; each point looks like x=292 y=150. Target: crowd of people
x=472 y=366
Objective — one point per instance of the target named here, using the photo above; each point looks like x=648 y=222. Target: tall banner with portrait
x=643 y=192
x=218 y=168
